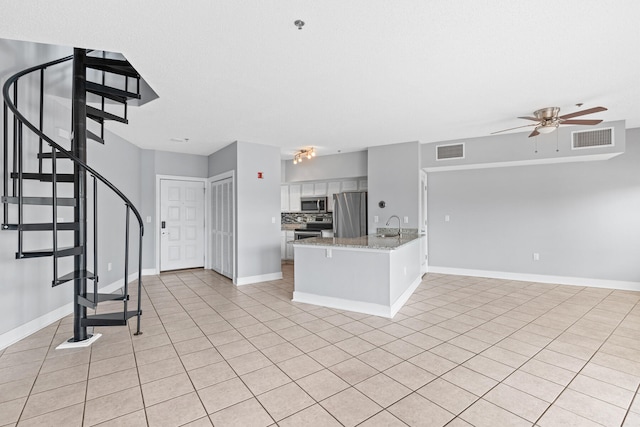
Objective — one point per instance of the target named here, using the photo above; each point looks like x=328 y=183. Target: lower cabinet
x=286 y=244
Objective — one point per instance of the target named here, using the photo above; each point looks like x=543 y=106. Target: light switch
x=406 y=220
x=148 y=219
x=273 y=220
x=327 y=253
x=376 y=219
x=446 y=218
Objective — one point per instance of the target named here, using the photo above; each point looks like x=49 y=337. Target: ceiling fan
x=548 y=120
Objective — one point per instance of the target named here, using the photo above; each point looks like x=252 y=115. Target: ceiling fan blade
x=518 y=127
x=583 y=112
x=530 y=118
x=580 y=122
x=534 y=133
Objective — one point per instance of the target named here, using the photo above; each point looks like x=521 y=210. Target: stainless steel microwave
x=313 y=204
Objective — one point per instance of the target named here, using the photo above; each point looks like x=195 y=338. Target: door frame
x=157 y=230
x=424 y=217
x=209 y=219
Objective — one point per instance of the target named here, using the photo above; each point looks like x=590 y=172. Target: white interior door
x=182 y=224
x=222 y=227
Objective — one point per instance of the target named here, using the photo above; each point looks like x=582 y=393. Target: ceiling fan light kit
x=547 y=120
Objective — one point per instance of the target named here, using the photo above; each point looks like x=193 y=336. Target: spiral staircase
x=27 y=178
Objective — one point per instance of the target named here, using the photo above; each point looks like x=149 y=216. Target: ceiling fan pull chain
x=557 y=144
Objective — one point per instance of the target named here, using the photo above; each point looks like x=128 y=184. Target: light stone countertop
x=365 y=242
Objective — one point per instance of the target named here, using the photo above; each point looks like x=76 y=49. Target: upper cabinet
x=349 y=185
x=284 y=198
x=320 y=189
x=290 y=193
x=307 y=189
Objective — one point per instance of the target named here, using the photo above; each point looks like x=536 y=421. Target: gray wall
x=344 y=165
x=179 y=164
x=582 y=218
x=223 y=160
x=394 y=177
x=258 y=210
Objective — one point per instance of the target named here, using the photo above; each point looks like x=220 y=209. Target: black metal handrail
x=19 y=120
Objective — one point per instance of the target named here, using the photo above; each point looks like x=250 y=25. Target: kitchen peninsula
x=368 y=274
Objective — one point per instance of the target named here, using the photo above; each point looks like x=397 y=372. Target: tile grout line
x=587 y=362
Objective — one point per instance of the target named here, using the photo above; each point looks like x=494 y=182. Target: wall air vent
x=453 y=151
x=592 y=138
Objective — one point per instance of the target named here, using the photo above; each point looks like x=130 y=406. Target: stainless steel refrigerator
x=350 y=214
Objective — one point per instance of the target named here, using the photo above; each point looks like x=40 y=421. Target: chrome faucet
x=395 y=216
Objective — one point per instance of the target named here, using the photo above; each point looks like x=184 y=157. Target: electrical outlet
x=376 y=218
x=273 y=220
x=447 y=218
x=536 y=256
x=406 y=220
x=148 y=220
x=109 y=266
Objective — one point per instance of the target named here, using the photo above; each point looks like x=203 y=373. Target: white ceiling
x=360 y=73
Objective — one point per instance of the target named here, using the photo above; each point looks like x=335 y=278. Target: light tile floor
x=463 y=351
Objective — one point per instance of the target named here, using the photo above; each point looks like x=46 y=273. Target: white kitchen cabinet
x=307 y=189
x=289 y=245
x=283 y=244
x=284 y=198
x=294 y=198
x=333 y=187
x=320 y=189
x=363 y=184
x=349 y=185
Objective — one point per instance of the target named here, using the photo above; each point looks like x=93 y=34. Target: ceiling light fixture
x=299 y=23
x=307 y=152
x=547 y=128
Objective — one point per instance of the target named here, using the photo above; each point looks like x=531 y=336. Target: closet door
x=222 y=227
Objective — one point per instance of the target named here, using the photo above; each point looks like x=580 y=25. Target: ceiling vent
x=446 y=152
x=592 y=138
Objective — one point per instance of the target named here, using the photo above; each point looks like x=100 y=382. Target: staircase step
x=61 y=252
x=90 y=300
x=45 y=177
x=59 y=155
x=45 y=201
x=47 y=226
x=91 y=135
x=83 y=274
x=109 y=319
x=100 y=116
x=112 y=93
x=107 y=297
x=115 y=66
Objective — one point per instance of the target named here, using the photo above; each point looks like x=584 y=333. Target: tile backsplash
x=303 y=218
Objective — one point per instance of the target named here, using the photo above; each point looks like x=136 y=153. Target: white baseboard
x=240 y=281
x=149 y=272
x=540 y=278
x=402 y=299
x=343 y=304
x=33 y=326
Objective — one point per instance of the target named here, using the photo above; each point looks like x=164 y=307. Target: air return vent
x=592 y=138
x=454 y=151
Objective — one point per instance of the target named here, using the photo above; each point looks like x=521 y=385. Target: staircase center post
x=79 y=148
